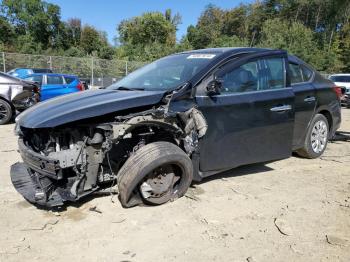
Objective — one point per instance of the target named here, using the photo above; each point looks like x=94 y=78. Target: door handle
x=281 y=108
x=309 y=99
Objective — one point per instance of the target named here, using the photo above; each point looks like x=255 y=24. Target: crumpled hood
x=82 y=105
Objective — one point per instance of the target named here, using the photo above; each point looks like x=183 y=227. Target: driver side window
x=262 y=74
x=241 y=79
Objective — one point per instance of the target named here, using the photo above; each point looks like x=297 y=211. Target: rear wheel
x=316 y=139
x=6 y=112
x=156 y=173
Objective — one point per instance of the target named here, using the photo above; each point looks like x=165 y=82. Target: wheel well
x=3 y=98
x=160 y=134
x=328 y=116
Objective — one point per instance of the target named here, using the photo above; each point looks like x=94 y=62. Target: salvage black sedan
x=177 y=120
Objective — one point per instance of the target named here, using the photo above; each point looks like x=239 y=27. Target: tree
x=208 y=28
x=152 y=27
x=235 y=22
x=90 y=39
x=344 y=47
x=74 y=27
x=36 y=18
x=7 y=33
x=299 y=40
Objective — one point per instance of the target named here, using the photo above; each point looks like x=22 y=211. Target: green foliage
x=344 y=48
x=149 y=28
x=294 y=37
x=89 y=40
x=318 y=31
x=229 y=41
x=315 y=30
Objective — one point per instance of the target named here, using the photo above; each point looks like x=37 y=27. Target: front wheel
x=316 y=138
x=6 y=112
x=155 y=174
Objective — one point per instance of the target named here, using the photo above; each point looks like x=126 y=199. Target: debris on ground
x=283 y=227
x=250 y=259
x=119 y=221
x=336 y=240
x=51 y=222
x=95 y=209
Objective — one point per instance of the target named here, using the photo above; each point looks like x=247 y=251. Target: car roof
x=51 y=74
x=345 y=74
x=226 y=50
x=31 y=68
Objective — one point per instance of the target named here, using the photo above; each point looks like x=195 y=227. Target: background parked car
x=15 y=94
x=343 y=81
x=53 y=85
x=22 y=72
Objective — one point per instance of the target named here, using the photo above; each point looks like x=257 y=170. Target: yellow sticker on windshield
x=201 y=56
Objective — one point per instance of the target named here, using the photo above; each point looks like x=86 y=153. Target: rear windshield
x=42 y=70
x=69 y=79
x=345 y=79
x=5 y=78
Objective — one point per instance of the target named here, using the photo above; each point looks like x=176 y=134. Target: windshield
x=166 y=73
x=342 y=79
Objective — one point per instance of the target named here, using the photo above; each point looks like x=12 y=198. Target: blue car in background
x=53 y=85
x=22 y=72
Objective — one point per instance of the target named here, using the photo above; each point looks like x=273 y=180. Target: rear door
x=305 y=101
x=53 y=86
x=252 y=119
x=71 y=83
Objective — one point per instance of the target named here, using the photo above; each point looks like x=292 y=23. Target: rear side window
x=54 y=80
x=275 y=73
x=307 y=73
x=69 y=79
x=38 y=79
x=295 y=74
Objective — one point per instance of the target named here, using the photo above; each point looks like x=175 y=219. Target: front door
x=252 y=119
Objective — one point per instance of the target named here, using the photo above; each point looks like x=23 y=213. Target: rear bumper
x=334 y=108
x=26 y=102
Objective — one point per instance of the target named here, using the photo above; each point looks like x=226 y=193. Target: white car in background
x=342 y=80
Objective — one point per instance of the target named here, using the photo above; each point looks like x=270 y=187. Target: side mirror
x=214 y=87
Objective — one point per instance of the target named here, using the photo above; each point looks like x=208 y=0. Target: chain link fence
x=95 y=71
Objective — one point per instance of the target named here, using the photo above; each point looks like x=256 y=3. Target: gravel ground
x=290 y=210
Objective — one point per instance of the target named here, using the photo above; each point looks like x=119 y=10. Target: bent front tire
x=155 y=174
x=316 y=138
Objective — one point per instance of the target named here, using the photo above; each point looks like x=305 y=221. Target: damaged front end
x=69 y=162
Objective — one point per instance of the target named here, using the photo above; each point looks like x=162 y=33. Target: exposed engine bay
x=69 y=162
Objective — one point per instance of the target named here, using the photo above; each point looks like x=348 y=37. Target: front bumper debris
x=33 y=187
x=39 y=163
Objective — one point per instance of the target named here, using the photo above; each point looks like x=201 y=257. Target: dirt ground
x=290 y=210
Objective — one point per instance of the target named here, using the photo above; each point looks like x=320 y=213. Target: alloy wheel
x=3 y=111
x=319 y=136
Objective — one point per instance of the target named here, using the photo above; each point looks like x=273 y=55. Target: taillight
x=36 y=89
x=80 y=86
x=338 y=91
